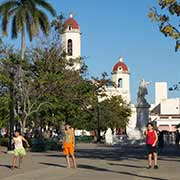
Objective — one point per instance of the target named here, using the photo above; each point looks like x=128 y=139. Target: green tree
x=4 y=110
x=69 y=92
x=114 y=113
x=168 y=20
x=66 y=90
x=7 y=86
x=51 y=93
x=25 y=15
x=24 y=98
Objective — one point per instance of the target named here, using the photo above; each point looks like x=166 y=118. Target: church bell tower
x=71 y=41
x=121 y=78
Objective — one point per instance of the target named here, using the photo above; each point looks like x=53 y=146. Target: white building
x=166 y=111
x=71 y=41
x=71 y=44
x=121 y=80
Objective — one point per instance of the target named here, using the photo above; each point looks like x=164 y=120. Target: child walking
x=68 y=145
x=151 y=143
x=19 y=150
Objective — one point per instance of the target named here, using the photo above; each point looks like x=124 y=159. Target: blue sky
x=113 y=28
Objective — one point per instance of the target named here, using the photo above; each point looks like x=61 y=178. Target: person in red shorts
x=68 y=145
x=151 y=143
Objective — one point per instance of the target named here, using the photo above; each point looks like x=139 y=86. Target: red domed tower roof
x=120 y=65
x=71 y=22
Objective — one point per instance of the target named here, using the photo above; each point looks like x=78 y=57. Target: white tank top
x=18 y=142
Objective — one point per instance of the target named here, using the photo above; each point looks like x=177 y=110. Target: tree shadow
x=89 y=167
x=4 y=152
x=128 y=165
x=113 y=154
x=55 y=155
x=107 y=153
x=167 y=159
x=170 y=153
x=119 y=153
x=52 y=164
x=6 y=166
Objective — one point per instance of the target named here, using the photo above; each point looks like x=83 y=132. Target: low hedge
x=42 y=145
x=84 y=139
x=4 y=142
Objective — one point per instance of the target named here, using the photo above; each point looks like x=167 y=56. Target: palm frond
x=22 y=18
x=18 y=21
x=25 y=14
x=5 y=21
x=30 y=5
x=14 y=29
x=7 y=6
x=47 y=6
x=43 y=21
x=29 y=25
x=35 y=25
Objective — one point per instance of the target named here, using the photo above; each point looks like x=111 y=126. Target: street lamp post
x=11 y=107
x=98 y=124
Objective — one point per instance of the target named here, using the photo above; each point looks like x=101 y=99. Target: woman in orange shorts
x=68 y=145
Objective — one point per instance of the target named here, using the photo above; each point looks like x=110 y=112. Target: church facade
x=165 y=112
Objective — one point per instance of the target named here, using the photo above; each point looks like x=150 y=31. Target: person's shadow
x=5 y=166
x=52 y=164
x=127 y=165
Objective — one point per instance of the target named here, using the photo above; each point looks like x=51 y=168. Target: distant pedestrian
x=177 y=138
x=161 y=141
x=19 y=150
x=151 y=143
x=68 y=145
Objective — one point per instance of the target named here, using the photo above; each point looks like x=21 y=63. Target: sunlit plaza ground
x=94 y=162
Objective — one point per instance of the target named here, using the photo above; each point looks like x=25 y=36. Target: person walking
x=151 y=143
x=177 y=134
x=19 y=150
x=161 y=141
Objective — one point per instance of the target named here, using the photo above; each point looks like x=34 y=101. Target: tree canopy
x=114 y=113
x=168 y=19
x=50 y=93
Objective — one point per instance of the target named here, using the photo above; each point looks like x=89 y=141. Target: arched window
x=70 y=28
x=70 y=47
x=120 y=83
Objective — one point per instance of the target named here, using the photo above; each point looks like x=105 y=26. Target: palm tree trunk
x=22 y=44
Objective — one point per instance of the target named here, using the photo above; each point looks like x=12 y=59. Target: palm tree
x=25 y=16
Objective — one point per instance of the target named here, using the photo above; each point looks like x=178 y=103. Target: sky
x=113 y=28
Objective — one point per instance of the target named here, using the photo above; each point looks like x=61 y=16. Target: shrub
x=42 y=145
x=4 y=142
x=84 y=139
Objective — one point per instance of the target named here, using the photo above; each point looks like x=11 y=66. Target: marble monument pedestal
x=142 y=119
x=142 y=113
x=109 y=137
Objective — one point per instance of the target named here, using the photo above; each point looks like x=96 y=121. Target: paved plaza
x=95 y=162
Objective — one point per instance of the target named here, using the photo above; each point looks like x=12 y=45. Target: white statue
x=142 y=92
x=142 y=112
x=142 y=106
x=109 y=136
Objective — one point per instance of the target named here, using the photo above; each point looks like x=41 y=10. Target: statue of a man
x=142 y=106
x=142 y=92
